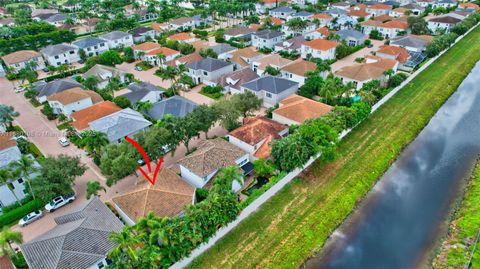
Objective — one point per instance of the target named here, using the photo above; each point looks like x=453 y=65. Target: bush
x=397 y=79
x=200 y=33
x=47 y=110
x=15 y=205
x=18 y=213
x=121 y=101
x=214 y=92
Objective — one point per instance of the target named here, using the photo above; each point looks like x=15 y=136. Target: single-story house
x=176 y=106
x=243 y=33
x=140 y=50
x=223 y=51
x=231 y=82
x=126 y=122
x=182 y=37
x=271 y=89
x=296 y=109
x=323 y=19
x=245 y=57
x=78 y=240
x=104 y=74
x=167 y=198
x=81 y=119
x=298 y=71
x=71 y=100
x=360 y=74
x=153 y=58
x=256 y=134
x=143 y=92
x=415 y=43
x=395 y=53
x=282 y=12
x=200 y=166
x=186 y=59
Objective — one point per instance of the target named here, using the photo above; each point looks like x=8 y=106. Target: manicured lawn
x=297 y=221
x=457 y=248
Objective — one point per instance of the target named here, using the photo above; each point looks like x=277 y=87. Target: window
x=20 y=180
x=95 y=47
x=56 y=56
x=102 y=45
x=205 y=73
x=269 y=95
x=243 y=162
x=100 y=265
x=72 y=52
x=59 y=63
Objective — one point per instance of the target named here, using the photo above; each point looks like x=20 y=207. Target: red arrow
x=147 y=160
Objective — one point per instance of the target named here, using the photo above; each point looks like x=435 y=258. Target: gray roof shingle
x=283 y=9
x=409 y=41
x=176 y=106
x=120 y=124
x=222 y=48
x=88 y=42
x=208 y=64
x=268 y=34
x=56 y=86
x=270 y=84
x=139 y=90
x=57 y=49
x=349 y=33
x=79 y=240
x=114 y=35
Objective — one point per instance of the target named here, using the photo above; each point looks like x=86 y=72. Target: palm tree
x=91 y=82
x=125 y=252
x=140 y=54
x=388 y=73
x=7 y=113
x=297 y=25
x=93 y=187
x=25 y=166
x=93 y=141
x=7 y=237
x=6 y=177
x=161 y=58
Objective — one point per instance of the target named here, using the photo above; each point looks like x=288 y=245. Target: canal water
x=398 y=223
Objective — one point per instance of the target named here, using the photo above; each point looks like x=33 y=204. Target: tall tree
x=6 y=177
x=205 y=116
x=297 y=25
x=125 y=253
x=93 y=188
x=25 y=166
x=7 y=113
x=93 y=141
x=246 y=103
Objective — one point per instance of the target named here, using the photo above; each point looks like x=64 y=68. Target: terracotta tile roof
x=322 y=16
x=200 y=44
x=82 y=118
x=380 y=6
x=210 y=156
x=300 y=67
x=265 y=150
x=159 y=27
x=146 y=46
x=427 y=38
x=237 y=78
x=400 y=54
x=180 y=36
x=445 y=19
x=255 y=26
x=274 y=60
x=395 y=24
x=323 y=30
x=20 y=56
x=400 y=10
x=382 y=18
x=300 y=109
x=321 y=44
x=166 y=51
x=7 y=141
x=371 y=23
x=366 y=71
x=167 y=198
x=74 y=95
x=470 y=5
x=248 y=52
x=358 y=13
x=190 y=58
x=277 y=21
x=256 y=129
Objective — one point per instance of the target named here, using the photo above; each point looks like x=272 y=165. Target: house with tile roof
x=245 y=57
x=322 y=32
x=176 y=106
x=298 y=71
x=104 y=74
x=359 y=11
x=360 y=74
x=159 y=27
x=389 y=29
x=46 y=89
x=59 y=54
x=223 y=51
x=231 y=82
x=92 y=46
x=186 y=59
x=266 y=39
x=79 y=239
x=208 y=69
x=118 y=39
x=414 y=43
x=303 y=15
x=323 y=18
x=118 y=125
x=142 y=92
x=296 y=109
x=20 y=59
x=167 y=198
x=182 y=23
x=182 y=37
x=71 y=100
x=378 y=9
x=264 y=6
x=271 y=89
x=319 y=48
x=256 y=134
x=310 y=27
x=292 y=45
x=153 y=58
x=469 y=5
x=81 y=119
x=399 y=54
x=141 y=49
x=273 y=60
x=200 y=166
x=242 y=33
x=442 y=23
x=142 y=34
x=282 y=12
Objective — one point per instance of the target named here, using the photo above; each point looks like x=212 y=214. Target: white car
x=59 y=202
x=31 y=217
x=63 y=142
x=19 y=90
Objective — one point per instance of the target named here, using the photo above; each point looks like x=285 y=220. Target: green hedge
x=18 y=213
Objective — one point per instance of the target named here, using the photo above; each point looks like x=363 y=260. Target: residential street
x=44 y=135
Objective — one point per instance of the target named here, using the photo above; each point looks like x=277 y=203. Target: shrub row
x=20 y=212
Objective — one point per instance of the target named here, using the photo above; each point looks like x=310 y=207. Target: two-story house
x=208 y=69
x=118 y=39
x=271 y=89
x=282 y=12
x=59 y=54
x=92 y=46
x=71 y=100
x=319 y=48
x=266 y=39
x=23 y=58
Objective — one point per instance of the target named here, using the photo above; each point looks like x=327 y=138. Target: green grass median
x=297 y=221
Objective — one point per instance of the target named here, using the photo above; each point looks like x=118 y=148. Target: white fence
x=290 y=176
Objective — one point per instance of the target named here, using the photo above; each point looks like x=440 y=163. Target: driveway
x=350 y=59
x=146 y=76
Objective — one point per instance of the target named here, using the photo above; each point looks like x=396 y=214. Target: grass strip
x=297 y=221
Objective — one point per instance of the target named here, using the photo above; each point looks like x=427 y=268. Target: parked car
x=63 y=142
x=138 y=68
x=59 y=202
x=141 y=162
x=19 y=89
x=31 y=217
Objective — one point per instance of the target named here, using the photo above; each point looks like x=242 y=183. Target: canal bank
x=398 y=222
